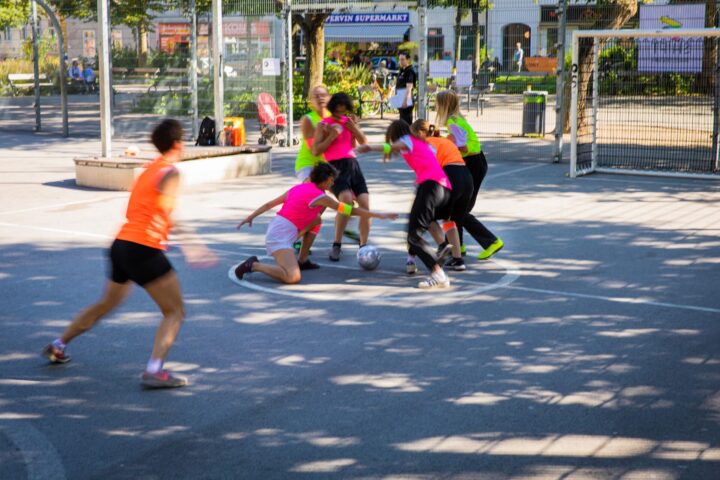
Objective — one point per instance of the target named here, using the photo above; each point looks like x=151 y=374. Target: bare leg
x=165 y=291
x=437 y=233
x=114 y=295
x=453 y=237
x=364 y=202
x=287 y=269
x=307 y=242
x=341 y=220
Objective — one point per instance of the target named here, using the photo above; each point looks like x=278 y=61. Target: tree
x=313 y=29
x=14 y=13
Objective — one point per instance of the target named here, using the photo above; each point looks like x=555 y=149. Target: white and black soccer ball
x=368 y=257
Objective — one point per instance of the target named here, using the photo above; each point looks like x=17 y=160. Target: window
x=467 y=42
x=7 y=35
x=552 y=39
x=436 y=43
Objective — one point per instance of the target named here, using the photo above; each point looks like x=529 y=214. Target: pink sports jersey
x=421 y=158
x=297 y=207
x=342 y=146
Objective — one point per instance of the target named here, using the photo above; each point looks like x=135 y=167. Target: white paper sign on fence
x=464 y=74
x=440 y=69
x=680 y=54
x=271 y=67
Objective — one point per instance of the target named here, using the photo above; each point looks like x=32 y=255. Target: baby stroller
x=272 y=122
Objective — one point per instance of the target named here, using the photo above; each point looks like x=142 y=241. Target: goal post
x=645 y=102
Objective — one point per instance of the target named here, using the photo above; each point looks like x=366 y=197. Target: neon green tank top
x=473 y=144
x=305 y=158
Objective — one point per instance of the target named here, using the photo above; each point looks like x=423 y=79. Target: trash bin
x=534 y=106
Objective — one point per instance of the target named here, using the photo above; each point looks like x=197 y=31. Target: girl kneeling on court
x=432 y=199
x=299 y=217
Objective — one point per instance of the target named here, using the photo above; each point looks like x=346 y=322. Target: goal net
x=645 y=102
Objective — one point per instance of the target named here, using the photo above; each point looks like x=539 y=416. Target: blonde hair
x=447 y=105
x=312 y=91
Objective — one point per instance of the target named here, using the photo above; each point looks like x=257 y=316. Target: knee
x=346 y=197
x=292 y=278
x=175 y=312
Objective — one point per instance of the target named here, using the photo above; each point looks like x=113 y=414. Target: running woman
x=432 y=199
x=137 y=256
x=335 y=137
x=305 y=160
x=302 y=206
x=462 y=134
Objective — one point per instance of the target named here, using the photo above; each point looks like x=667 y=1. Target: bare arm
x=408 y=95
x=356 y=132
x=396 y=147
x=322 y=139
x=331 y=203
x=308 y=130
x=264 y=208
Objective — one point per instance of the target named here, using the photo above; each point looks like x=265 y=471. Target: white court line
x=510 y=172
x=55 y=230
x=634 y=301
x=40 y=456
x=58 y=205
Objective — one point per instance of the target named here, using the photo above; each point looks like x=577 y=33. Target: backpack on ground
x=206 y=134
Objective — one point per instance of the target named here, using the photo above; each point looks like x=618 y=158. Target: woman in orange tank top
x=137 y=256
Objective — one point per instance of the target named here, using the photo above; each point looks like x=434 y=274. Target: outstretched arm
x=264 y=208
x=348 y=210
x=385 y=148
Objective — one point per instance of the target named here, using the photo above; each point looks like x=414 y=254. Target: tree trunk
x=616 y=13
x=458 y=31
x=477 y=60
x=313 y=28
x=142 y=44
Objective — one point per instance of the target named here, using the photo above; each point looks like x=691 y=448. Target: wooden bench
x=20 y=81
x=199 y=165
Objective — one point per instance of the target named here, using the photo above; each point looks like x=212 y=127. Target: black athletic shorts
x=350 y=177
x=138 y=263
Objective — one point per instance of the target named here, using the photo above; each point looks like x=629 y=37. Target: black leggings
x=478 y=169
x=432 y=200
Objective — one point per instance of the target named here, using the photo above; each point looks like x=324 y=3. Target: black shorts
x=462 y=189
x=138 y=263
x=350 y=177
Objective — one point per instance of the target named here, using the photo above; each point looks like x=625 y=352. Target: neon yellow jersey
x=305 y=158
x=464 y=135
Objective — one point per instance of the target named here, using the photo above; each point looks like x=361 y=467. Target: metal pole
x=63 y=65
x=104 y=76
x=291 y=132
x=36 y=65
x=595 y=100
x=217 y=40
x=560 y=82
x=573 y=106
x=193 y=69
x=422 y=60
x=716 y=109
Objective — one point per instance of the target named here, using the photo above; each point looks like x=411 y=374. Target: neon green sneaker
x=463 y=250
x=494 y=247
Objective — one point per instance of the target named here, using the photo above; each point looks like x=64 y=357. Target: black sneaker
x=308 y=265
x=245 y=267
x=456 y=264
x=335 y=253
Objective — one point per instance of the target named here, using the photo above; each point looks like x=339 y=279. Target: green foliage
x=518 y=84
x=50 y=66
x=47 y=45
x=14 y=13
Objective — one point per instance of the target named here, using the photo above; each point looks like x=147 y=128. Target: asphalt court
x=586 y=349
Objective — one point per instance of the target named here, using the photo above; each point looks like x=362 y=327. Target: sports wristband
x=345 y=209
x=387 y=148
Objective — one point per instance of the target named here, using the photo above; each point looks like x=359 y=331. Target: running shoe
x=456 y=264
x=335 y=253
x=463 y=250
x=308 y=265
x=352 y=235
x=245 y=267
x=434 y=282
x=55 y=355
x=410 y=267
x=494 y=247
x=443 y=250
x=162 y=379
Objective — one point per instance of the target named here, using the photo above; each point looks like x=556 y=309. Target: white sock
x=154 y=365
x=440 y=275
x=57 y=343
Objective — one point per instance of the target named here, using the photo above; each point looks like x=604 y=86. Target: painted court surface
x=589 y=349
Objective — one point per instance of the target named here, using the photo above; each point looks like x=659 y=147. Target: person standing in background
x=406 y=81
x=518 y=56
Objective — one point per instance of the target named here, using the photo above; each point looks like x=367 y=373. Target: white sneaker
x=410 y=267
x=433 y=281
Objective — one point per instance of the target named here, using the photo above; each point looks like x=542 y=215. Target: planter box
x=199 y=165
x=541 y=64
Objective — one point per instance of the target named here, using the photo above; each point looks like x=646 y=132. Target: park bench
x=134 y=80
x=171 y=79
x=198 y=165
x=26 y=81
x=476 y=95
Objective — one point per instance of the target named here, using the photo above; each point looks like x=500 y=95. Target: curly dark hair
x=321 y=172
x=166 y=134
x=339 y=99
x=397 y=130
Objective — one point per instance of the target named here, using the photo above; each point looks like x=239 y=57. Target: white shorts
x=281 y=234
x=304 y=173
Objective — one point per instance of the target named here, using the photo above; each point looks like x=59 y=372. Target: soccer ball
x=132 y=151
x=368 y=257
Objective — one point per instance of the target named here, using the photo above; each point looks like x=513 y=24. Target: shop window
x=436 y=43
x=552 y=39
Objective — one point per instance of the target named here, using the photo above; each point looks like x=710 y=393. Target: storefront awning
x=365 y=33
